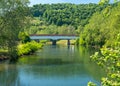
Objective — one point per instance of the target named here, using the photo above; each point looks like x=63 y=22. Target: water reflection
x=52 y=66
x=9 y=75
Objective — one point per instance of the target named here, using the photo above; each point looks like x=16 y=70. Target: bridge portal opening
x=64 y=42
x=54 y=42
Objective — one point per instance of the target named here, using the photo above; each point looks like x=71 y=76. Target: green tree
x=109 y=58
x=102 y=27
x=104 y=2
x=109 y=55
x=12 y=15
x=24 y=37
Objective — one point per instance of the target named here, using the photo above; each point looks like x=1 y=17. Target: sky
x=32 y=2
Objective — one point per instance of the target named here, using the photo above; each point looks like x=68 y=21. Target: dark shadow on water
x=54 y=61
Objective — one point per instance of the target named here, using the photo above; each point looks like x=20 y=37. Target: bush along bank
x=28 y=48
x=109 y=59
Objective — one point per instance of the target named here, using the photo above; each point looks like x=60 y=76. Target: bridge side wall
x=54 y=38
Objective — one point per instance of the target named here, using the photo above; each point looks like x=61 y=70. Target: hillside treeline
x=64 y=18
x=97 y=24
x=70 y=14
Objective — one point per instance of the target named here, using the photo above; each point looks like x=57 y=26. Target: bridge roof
x=53 y=35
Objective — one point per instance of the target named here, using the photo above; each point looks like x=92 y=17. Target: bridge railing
x=53 y=35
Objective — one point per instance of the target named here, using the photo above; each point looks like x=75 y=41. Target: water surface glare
x=52 y=66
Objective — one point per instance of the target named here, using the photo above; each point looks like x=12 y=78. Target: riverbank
x=22 y=49
x=3 y=56
x=63 y=42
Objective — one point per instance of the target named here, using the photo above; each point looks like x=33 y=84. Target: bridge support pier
x=37 y=40
x=54 y=42
x=68 y=42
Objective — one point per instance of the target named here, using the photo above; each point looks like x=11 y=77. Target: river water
x=52 y=66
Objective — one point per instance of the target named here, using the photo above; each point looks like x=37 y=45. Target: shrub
x=109 y=58
x=29 y=47
x=91 y=84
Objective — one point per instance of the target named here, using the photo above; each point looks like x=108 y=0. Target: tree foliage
x=102 y=27
x=109 y=58
x=12 y=21
x=41 y=27
x=105 y=28
x=60 y=14
x=24 y=37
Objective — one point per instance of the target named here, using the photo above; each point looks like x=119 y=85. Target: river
x=52 y=66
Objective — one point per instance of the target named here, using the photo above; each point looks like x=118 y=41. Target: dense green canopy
x=12 y=21
x=60 y=14
x=103 y=27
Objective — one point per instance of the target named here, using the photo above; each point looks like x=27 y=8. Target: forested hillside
x=64 y=18
x=97 y=24
x=60 y=14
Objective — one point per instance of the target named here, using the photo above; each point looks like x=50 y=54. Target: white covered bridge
x=53 y=38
